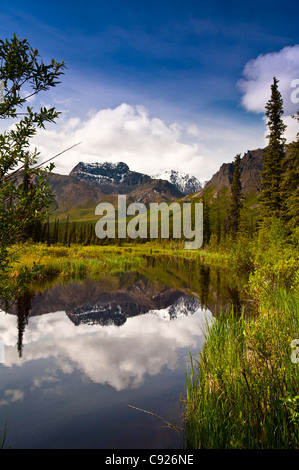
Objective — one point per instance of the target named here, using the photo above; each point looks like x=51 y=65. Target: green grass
x=72 y=261
x=243 y=389
x=3 y=435
x=89 y=260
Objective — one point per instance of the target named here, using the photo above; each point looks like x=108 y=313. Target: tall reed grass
x=243 y=392
x=74 y=261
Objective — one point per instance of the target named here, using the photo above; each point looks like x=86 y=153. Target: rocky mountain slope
x=109 y=176
x=250 y=167
x=89 y=184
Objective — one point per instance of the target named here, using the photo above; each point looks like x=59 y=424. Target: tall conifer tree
x=206 y=222
x=236 y=199
x=270 y=197
x=290 y=184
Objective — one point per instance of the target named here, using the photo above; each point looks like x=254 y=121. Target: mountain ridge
x=251 y=165
x=88 y=184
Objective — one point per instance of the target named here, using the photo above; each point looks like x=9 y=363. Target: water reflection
x=219 y=288
x=113 y=331
x=24 y=305
x=168 y=285
x=118 y=357
x=77 y=354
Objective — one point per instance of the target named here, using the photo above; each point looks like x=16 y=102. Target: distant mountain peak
x=184 y=182
x=117 y=173
x=90 y=183
x=97 y=167
x=100 y=171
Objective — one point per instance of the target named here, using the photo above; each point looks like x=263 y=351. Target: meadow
x=42 y=260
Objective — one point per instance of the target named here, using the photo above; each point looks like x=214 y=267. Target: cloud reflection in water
x=118 y=356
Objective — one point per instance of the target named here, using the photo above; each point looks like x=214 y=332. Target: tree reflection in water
x=112 y=299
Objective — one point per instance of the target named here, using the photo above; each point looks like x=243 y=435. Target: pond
x=80 y=359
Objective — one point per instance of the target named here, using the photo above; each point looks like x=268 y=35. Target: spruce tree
x=66 y=231
x=48 y=232
x=270 y=197
x=72 y=234
x=236 y=199
x=290 y=184
x=206 y=222
x=80 y=235
x=218 y=221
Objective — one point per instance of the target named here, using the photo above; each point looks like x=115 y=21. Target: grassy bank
x=243 y=389
x=76 y=260
x=66 y=261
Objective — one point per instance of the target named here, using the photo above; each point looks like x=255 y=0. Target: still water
x=75 y=357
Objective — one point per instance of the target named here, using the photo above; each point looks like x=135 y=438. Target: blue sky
x=160 y=84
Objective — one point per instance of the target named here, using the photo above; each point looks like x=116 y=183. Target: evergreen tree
x=44 y=232
x=48 y=232
x=234 y=210
x=80 y=235
x=87 y=235
x=290 y=184
x=37 y=235
x=218 y=221
x=206 y=222
x=55 y=231
x=66 y=231
x=270 y=197
x=73 y=233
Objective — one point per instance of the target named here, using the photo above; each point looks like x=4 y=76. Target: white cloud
x=124 y=133
x=147 y=144
x=72 y=347
x=11 y=396
x=292 y=128
x=194 y=131
x=258 y=77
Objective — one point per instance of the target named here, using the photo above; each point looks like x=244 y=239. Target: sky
x=162 y=84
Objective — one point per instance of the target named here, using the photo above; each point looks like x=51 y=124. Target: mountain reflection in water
x=132 y=325
x=76 y=355
x=169 y=291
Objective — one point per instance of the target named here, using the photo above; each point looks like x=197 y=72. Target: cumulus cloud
x=72 y=347
x=147 y=144
x=258 y=77
x=11 y=396
x=125 y=133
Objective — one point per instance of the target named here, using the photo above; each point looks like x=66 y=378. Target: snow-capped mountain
x=184 y=182
x=89 y=183
x=106 y=172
